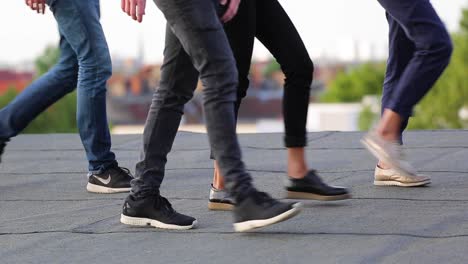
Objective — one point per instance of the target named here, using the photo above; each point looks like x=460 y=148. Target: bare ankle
x=383 y=166
x=297 y=166
x=218 y=179
x=297 y=172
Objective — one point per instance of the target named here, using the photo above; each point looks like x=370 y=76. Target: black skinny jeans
x=196 y=46
x=267 y=21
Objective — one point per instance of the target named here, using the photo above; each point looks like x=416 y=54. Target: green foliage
x=7 y=97
x=60 y=117
x=366 y=119
x=272 y=67
x=352 y=85
x=47 y=60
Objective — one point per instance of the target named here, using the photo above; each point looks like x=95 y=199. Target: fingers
x=231 y=11
x=43 y=6
x=31 y=4
x=134 y=8
x=223 y=2
x=141 y=10
x=127 y=7
x=37 y=5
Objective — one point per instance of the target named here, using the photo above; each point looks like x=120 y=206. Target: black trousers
x=267 y=21
x=419 y=51
x=196 y=46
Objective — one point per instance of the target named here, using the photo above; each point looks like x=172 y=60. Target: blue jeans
x=84 y=64
x=196 y=46
x=419 y=51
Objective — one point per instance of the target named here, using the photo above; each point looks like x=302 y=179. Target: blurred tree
x=47 y=60
x=272 y=66
x=352 y=85
x=9 y=95
x=367 y=118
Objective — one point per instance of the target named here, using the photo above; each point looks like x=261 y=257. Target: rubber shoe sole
x=313 y=196
x=220 y=206
x=253 y=224
x=402 y=184
x=93 y=188
x=137 y=221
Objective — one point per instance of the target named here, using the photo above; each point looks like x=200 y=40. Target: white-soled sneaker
x=258 y=209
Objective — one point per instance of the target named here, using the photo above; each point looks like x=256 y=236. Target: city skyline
x=336 y=29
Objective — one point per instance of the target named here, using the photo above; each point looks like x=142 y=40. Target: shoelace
x=125 y=171
x=264 y=199
x=313 y=178
x=162 y=202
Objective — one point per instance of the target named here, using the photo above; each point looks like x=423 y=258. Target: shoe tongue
x=164 y=203
x=262 y=197
x=312 y=177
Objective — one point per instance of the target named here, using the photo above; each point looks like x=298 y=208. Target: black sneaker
x=2 y=147
x=220 y=200
x=258 y=209
x=154 y=211
x=112 y=180
x=312 y=187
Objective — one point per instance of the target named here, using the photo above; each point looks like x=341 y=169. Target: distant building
x=13 y=79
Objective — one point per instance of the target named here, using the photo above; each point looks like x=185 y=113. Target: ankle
x=383 y=166
x=297 y=172
x=218 y=179
x=297 y=165
x=389 y=135
x=217 y=186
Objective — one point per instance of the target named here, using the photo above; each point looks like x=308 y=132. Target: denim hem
x=104 y=166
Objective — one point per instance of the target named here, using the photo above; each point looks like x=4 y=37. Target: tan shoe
x=389 y=177
x=390 y=152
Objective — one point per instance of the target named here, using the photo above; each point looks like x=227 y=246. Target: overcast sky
x=329 y=28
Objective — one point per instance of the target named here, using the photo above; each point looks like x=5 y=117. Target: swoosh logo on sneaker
x=104 y=181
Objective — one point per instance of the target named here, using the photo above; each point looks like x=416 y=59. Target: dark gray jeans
x=196 y=46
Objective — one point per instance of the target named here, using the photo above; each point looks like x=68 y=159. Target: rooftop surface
x=46 y=215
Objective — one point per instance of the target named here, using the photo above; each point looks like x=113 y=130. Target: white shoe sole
x=253 y=224
x=137 y=221
x=401 y=184
x=101 y=189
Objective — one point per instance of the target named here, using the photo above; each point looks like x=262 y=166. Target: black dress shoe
x=312 y=187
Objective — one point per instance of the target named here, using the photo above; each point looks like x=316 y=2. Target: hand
x=231 y=10
x=134 y=8
x=37 y=5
